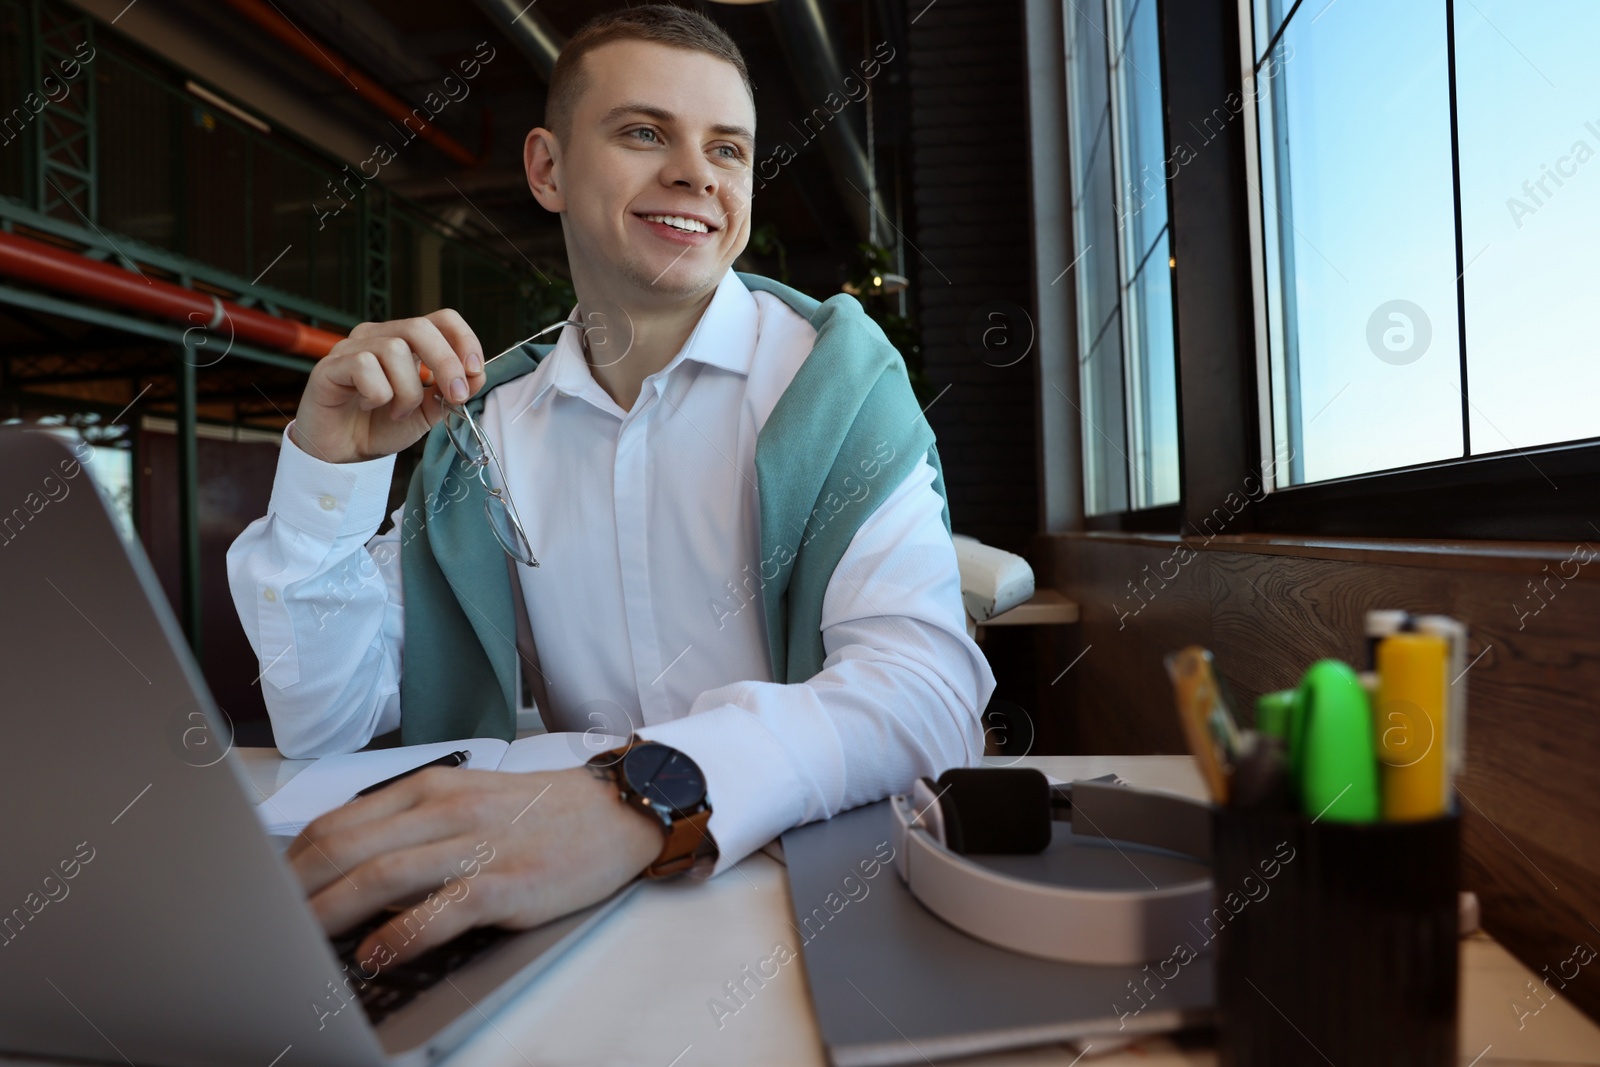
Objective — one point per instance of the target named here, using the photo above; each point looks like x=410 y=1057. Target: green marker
x=1273 y=711
x=1331 y=750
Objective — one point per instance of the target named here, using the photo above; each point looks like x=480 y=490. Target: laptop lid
x=144 y=914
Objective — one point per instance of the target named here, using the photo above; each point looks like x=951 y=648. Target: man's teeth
x=692 y=225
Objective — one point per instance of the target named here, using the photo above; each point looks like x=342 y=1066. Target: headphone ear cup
x=1004 y=810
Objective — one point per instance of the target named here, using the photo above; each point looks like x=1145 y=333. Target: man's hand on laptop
x=365 y=398
x=461 y=848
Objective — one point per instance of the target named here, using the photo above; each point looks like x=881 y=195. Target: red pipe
x=55 y=268
x=324 y=56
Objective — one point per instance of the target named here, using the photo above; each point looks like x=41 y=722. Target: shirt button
x=270 y=595
x=328 y=502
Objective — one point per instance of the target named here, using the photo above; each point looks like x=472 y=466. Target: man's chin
x=673 y=279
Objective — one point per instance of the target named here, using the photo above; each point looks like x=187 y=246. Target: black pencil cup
x=1335 y=942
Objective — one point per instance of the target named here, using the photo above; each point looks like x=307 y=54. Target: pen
x=1455 y=715
x=1207 y=722
x=454 y=759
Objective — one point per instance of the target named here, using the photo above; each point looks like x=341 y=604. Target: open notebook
x=333 y=780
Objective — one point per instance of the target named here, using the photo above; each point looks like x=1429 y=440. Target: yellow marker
x=1410 y=723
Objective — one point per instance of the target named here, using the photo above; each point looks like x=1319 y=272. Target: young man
x=737 y=512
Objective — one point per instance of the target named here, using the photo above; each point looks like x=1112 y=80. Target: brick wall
x=972 y=282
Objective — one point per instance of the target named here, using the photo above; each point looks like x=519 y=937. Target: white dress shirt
x=646 y=608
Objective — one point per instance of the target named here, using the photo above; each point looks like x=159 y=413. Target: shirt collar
x=724 y=337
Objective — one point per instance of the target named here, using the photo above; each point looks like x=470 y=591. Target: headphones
x=1012 y=810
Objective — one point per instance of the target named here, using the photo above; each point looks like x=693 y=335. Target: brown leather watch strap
x=687 y=842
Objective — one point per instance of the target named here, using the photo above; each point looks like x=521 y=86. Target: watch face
x=665 y=776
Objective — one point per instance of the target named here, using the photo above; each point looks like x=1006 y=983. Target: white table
x=635 y=991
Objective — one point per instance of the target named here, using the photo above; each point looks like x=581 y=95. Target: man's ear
x=541 y=158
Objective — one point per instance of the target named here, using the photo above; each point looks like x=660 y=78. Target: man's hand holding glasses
x=377 y=393
x=366 y=398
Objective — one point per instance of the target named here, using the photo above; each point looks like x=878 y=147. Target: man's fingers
x=399 y=816
x=460 y=337
x=443 y=355
x=390 y=877
x=457 y=905
x=400 y=367
x=384 y=803
x=361 y=372
x=444 y=363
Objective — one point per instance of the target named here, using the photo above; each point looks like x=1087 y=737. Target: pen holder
x=1336 y=942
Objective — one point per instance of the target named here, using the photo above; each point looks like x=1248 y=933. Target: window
x=108 y=458
x=1430 y=214
x=1122 y=269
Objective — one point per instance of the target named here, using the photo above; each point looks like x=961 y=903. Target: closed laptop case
x=891 y=983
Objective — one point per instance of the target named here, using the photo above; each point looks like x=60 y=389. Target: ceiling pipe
x=324 y=56
x=535 y=36
x=56 y=268
x=806 y=34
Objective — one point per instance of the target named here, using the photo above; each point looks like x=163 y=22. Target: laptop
x=145 y=915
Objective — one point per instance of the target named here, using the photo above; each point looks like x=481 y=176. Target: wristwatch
x=666 y=786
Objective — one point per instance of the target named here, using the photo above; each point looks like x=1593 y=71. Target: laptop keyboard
x=393 y=987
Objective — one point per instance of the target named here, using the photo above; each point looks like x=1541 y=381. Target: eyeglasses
x=475 y=450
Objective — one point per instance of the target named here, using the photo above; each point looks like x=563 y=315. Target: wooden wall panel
x=1266 y=607
x=1130 y=618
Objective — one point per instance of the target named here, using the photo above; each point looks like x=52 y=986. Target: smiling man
x=744 y=563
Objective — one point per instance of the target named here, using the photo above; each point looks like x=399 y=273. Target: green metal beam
x=13 y=213
x=65 y=131
x=188 y=498
x=62 y=159
x=58 y=346
x=375 y=266
x=84 y=313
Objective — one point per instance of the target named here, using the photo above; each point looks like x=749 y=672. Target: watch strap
x=688 y=842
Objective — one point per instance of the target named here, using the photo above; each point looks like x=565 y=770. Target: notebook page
x=331 y=781
x=557 y=751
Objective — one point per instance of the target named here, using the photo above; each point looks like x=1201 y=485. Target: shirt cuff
x=751 y=784
x=326 y=499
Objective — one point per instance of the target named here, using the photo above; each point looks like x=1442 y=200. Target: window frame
x=1160 y=517
x=1516 y=494
x=1221 y=333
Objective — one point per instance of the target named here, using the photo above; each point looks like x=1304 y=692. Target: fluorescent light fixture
x=222 y=105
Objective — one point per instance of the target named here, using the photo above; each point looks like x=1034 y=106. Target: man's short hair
x=660 y=23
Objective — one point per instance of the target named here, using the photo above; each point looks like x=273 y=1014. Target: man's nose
x=687 y=167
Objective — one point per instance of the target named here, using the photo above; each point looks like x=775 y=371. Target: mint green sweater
x=849 y=406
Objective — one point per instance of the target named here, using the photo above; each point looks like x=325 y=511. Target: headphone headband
x=1099 y=926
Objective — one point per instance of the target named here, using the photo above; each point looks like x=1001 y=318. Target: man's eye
x=645 y=130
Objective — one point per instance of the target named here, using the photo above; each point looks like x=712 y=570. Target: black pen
x=454 y=759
